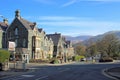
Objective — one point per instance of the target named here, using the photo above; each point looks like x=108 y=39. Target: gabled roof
x=40 y=30
x=68 y=42
x=27 y=24
x=55 y=38
x=3 y=26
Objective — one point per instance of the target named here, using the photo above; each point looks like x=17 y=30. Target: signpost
x=11 y=47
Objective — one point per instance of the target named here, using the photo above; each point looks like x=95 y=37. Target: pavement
x=113 y=73
x=16 y=70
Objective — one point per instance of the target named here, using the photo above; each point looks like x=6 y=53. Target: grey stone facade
x=33 y=43
x=29 y=39
x=3 y=27
x=62 y=49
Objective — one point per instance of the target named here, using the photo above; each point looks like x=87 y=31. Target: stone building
x=62 y=48
x=3 y=27
x=30 y=40
x=69 y=50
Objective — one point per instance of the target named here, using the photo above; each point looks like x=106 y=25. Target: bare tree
x=80 y=50
x=108 y=46
x=91 y=50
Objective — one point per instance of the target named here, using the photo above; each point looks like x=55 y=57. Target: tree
x=80 y=50
x=92 y=50
x=108 y=46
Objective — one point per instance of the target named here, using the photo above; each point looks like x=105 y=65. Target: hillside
x=99 y=37
x=78 y=39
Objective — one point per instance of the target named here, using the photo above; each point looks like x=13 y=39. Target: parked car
x=0 y=66
x=83 y=59
x=106 y=59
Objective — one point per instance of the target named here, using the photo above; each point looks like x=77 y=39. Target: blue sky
x=68 y=17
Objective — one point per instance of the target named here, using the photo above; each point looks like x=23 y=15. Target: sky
x=68 y=17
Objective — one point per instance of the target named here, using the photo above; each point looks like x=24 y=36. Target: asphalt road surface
x=76 y=71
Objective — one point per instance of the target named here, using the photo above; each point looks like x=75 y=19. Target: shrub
x=78 y=58
x=54 y=61
x=106 y=59
x=38 y=61
x=4 y=55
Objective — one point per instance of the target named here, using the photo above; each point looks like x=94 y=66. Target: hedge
x=4 y=55
x=78 y=57
x=106 y=59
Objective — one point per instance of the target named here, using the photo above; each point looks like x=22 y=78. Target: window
x=10 y=36
x=24 y=42
x=16 y=31
x=16 y=42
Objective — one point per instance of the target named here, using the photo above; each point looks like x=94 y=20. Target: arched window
x=16 y=31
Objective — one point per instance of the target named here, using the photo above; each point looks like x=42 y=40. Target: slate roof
x=68 y=42
x=40 y=30
x=55 y=38
x=27 y=24
x=3 y=26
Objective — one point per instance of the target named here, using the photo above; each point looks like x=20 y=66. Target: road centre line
x=59 y=71
x=42 y=77
x=65 y=70
x=15 y=78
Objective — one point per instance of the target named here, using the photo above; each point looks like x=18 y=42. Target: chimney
x=56 y=33
x=17 y=14
x=5 y=21
x=35 y=23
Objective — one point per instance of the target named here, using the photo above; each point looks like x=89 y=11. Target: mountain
x=78 y=38
x=86 y=39
x=99 y=37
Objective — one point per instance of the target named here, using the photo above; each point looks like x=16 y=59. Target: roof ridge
x=27 y=24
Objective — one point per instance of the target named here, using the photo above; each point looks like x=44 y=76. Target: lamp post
x=14 y=59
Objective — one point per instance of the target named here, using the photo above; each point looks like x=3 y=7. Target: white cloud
x=105 y=0
x=69 y=3
x=102 y=0
x=45 y=1
x=75 y=25
x=91 y=24
x=75 y=28
x=58 y=18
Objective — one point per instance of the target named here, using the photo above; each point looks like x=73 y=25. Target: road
x=76 y=71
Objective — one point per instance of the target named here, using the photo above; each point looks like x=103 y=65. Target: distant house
x=58 y=44
x=70 y=50
x=3 y=27
x=61 y=48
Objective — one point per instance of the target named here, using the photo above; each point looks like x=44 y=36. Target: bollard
x=24 y=65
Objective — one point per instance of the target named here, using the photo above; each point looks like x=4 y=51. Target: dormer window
x=16 y=31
